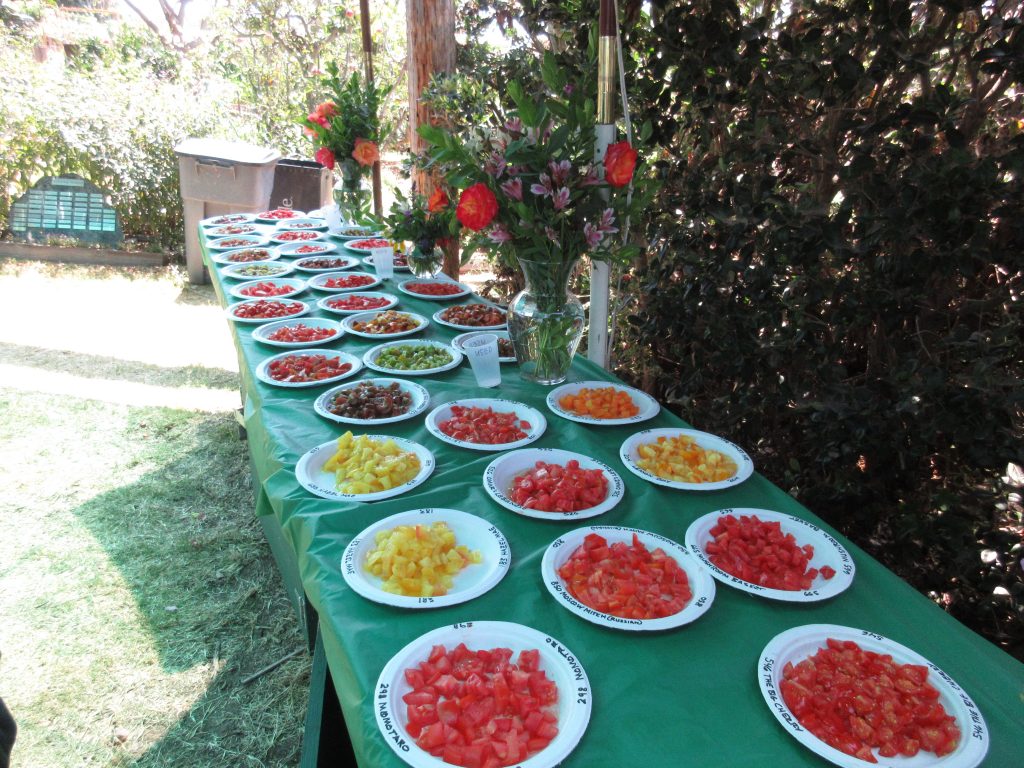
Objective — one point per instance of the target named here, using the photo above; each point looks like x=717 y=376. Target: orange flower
x=438 y=201
x=327 y=109
x=477 y=207
x=366 y=152
x=619 y=162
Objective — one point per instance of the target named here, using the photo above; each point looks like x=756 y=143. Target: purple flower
x=568 y=88
x=513 y=188
x=495 y=166
x=561 y=198
x=552 y=236
x=499 y=234
x=559 y=172
x=590 y=178
x=592 y=234
x=544 y=188
x=515 y=125
x=607 y=222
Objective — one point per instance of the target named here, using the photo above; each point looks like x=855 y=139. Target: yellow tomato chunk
x=363 y=465
x=682 y=460
x=418 y=560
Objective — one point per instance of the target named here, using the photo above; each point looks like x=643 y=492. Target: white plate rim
x=363 y=251
x=298 y=286
x=211 y=221
x=701 y=584
x=262 y=375
x=616 y=487
x=323 y=303
x=706 y=440
x=255 y=241
x=371 y=313
x=221 y=257
x=323 y=270
x=263 y=331
x=974 y=739
x=370 y=356
x=228 y=310
x=368 y=586
x=538 y=422
x=287 y=250
x=458 y=341
x=341 y=236
x=320 y=236
x=316 y=282
x=466 y=291
x=697 y=536
x=556 y=660
x=417 y=391
x=304 y=472
x=258 y=229
x=320 y=225
x=230 y=270
x=263 y=220
x=441 y=321
x=649 y=407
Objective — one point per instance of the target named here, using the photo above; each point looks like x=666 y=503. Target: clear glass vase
x=425 y=262
x=352 y=196
x=546 y=321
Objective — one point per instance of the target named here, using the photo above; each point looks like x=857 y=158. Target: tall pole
x=604 y=131
x=364 y=23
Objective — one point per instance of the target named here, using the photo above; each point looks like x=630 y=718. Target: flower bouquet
x=426 y=223
x=346 y=133
x=532 y=191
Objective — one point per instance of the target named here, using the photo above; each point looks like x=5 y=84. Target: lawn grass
x=136 y=589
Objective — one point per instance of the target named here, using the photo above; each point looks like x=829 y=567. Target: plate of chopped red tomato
x=366 y=245
x=486 y=424
x=308 y=368
x=295 y=334
x=857 y=698
x=340 y=282
x=292 y=236
x=552 y=484
x=268 y=288
x=433 y=289
x=277 y=215
x=529 y=706
x=626 y=578
x=471 y=317
x=354 y=303
x=306 y=249
x=685 y=459
x=426 y=558
x=602 y=403
x=265 y=310
x=771 y=554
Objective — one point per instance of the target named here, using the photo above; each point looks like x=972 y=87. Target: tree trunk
x=431 y=48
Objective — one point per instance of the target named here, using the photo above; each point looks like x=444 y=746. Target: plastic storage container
x=218 y=177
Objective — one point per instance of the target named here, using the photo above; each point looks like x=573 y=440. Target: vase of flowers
x=428 y=224
x=533 y=193
x=346 y=133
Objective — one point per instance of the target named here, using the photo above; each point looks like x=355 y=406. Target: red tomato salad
x=302 y=368
x=264 y=290
x=554 y=488
x=278 y=213
x=349 y=281
x=263 y=309
x=435 y=289
x=301 y=333
x=358 y=301
x=292 y=235
x=369 y=243
x=484 y=425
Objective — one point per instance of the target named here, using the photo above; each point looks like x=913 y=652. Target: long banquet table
x=687 y=696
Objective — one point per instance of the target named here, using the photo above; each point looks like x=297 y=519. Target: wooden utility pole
x=431 y=48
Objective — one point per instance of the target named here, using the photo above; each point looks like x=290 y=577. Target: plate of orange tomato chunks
x=601 y=402
x=626 y=578
x=484 y=693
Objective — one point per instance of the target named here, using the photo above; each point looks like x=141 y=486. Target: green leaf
x=553 y=75
x=432 y=133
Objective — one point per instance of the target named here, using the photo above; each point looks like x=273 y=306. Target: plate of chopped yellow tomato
x=426 y=558
x=364 y=467
x=685 y=459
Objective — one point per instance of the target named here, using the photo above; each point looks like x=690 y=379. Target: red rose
x=437 y=201
x=325 y=157
x=477 y=207
x=619 y=162
x=326 y=109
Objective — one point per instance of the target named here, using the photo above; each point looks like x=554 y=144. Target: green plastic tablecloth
x=688 y=696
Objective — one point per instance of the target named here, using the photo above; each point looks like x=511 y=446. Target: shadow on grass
x=198 y=296
x=112 y=368
x=186 y=542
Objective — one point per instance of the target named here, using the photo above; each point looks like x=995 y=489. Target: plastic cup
x=384 y=262
x=482 y=351
x=332 y=217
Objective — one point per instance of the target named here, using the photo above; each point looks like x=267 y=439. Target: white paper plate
x=235 y=271
x=795 y=645
x=316 y=225
x=404 y=288
x=230 y=312
x=227 y=257
x=561 y=549
x=291 y=250
x=557 y=661
x=522 y=411
x=500 y=474
x=263 y=332
x=318 y=282
x=827 y=551
x=281 y=239
x=399 y=267
x=462 y=338
x=228 y=218
x=349 y=324
x=344 y=232
x=420 y=401
x=265 y=220
x=231 y=242
x=472 y=532
x=629 y=456
x=247 y=227
x=296 y=286
x=649 y=407
x=350 y=244
x=370 y=358
x=263 y=374
x=441 y=321
x=325 y=302
x=309 y=471
x=345 y=262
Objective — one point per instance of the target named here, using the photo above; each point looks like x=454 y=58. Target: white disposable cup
x=332 y=217
x=384 y=262
x=482 y=351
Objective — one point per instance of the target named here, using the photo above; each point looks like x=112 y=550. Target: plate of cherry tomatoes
x=308 y=368
x=602 y=403
x=471 y=317
x=339 y=282
x=626 y=578
x=356 y=303
x=486 y=424
x=771 y=554
x=553 y=484
x=265 y=310
x=295 y=334
x=527 y=683
x=855 y=697
x=434 y=289
x=268 y=288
